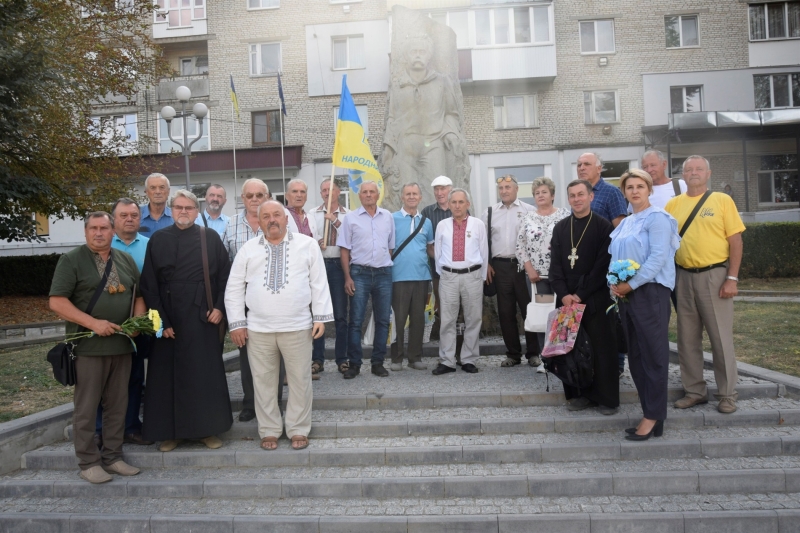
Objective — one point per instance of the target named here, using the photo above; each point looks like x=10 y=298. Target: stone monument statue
x=424 y=133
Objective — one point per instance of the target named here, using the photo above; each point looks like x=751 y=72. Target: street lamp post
x=199 y=111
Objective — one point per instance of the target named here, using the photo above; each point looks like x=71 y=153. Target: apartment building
x=543 y=81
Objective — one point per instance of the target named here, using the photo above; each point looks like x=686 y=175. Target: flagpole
x=233 y=121
x=328 y=207
x=283 y=165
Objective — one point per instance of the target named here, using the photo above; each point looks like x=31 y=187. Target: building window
x=686 y=99
x=117 y=127
x=777 y=90
x=776 y=20
x=525 y=176
x=513 y=25
x=613 y=170
x=515 y=112
x=677 y=166
x=263 y=4
x=180 y=13
x=348 y=52
x=597 y=36
x=41 y=224
x=191 y=66
x=266 y=128
x=265 y=59
x=682 y=31
x=165 y=145
x=777 y=179
x=363 y=116
x=601 y=107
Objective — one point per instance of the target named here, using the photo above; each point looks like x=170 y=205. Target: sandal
x=510 y=362
x=299 y=442
x=316 y=367
x=269 y=443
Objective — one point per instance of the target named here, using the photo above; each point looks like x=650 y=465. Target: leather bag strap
x=694 y=213
x=206 y=277
x=410 y=237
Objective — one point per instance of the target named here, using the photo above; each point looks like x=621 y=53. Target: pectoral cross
x=573 y=257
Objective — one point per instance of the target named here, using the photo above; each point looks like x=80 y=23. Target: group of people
x=275 y=274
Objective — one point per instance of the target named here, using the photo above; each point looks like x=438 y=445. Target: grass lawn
x=27 y=385
x=764 y=334
x=776 y=284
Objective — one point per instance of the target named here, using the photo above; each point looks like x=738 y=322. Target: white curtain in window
x=605 y=35
x=689 y=31
x=357 y=59
x=501 y=26
x=522 y=25
x=483 y=28
x=605 y=107
x=340 y=53
x=775 y=18
x=515 y=111
x=270 y=58
x=758 y=23
x=794 y=18
x=587 y=37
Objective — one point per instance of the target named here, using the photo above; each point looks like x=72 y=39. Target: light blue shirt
x=217 y=224
x=369 y=238
x=150 y=225
x=649 y=237
x=135 y=249
x=412 y=262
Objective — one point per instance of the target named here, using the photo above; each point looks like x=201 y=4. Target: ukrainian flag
x=234 y=99
x=351 y=149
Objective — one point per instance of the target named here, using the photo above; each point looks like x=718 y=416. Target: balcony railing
x=727 y=119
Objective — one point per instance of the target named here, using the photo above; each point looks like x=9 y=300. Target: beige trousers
x=264 y=351
x=699 y=306
x=465 y=290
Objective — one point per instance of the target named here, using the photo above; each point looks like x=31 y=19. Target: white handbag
x=536 y=316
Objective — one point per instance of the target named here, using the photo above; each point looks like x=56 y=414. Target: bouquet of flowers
x=619 y=271
x=149 y=324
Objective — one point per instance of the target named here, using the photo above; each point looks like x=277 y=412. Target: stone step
x=776 y=520
x=761 y=481
x=566 y=448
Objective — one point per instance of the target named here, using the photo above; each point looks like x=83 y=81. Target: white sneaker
x=396 y=367
x=540 y=369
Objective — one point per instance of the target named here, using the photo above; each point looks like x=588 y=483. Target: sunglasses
x=258 y=195
x=506 y=179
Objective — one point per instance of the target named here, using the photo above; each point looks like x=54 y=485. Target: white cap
x=443 y=181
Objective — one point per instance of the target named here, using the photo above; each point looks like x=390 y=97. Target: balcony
x=199 y=86
x=537 y=63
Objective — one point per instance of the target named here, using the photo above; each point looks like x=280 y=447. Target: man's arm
x=61 y=306
x=349 y=286
x=617 y=221
x=730 y=288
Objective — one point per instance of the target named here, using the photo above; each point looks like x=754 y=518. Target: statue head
x=418 y=51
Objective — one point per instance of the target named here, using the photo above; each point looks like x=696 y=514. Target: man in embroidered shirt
x=461 y=254
x=215 y=201
x=241 y=228
x=299 y=221
x=411 y=275
x=279 y=293
x=333 y=268
x=156 y=214
x=366 y=241
x=511 y=282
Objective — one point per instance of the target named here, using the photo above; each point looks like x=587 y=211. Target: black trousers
x=645 y=321
x=512 y=293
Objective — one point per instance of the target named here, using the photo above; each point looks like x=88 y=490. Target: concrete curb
x=780 y=521
x=29 y=432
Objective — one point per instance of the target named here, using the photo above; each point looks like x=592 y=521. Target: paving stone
x=191 y=524
x=346 y=457
x=792 y=479
x=372 y=429
x=660 y=449
x=400 y=401
x=731 y=522
x=275 y=524
x=769 y=417
x=323 y=430
x=377 y=524
x=195 y=458
x=516 y=399
x=441 y=454
x=444 y=427
x=655 y=483
x=683 y=419
x=83 y=489
x=477 y=399
x=757 y=480
x=169 y=488
x=417 y=487
x=751 y=390
x=34 y=523
x=46 y=461
x=571 y=424
x=742 y=447
x=263 y=458
x=790 y=445
x=571 y=485
x=790 y=417
x=143 y=459
x=340 y=402
x=452 y=524
x=109 y=523
x=580 y=452
x=637 y=522
x=34 y=488
x=334 y=488
x=242 y=488
x=521 y=453
x=490 y=486
x=565 y=523
x=517 y=425
x=788 y=520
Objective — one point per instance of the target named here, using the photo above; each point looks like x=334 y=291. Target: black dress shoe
x=657 y=431
x=352 y=372
x=630 y=431
x=136 y=438
x=247 y=415
x=380 y=371
x=469 y=367
x=442 y=369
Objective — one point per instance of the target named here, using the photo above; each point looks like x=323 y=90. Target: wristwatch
x=732 y=278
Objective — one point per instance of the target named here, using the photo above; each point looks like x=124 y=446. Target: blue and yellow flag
x=234 y=100
x=351 y=149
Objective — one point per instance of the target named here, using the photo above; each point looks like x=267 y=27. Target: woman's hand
x=621 y=289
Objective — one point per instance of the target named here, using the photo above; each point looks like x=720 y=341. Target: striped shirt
x=237 y=233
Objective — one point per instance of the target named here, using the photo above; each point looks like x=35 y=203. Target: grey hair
x=466 y=193
x=156 y=175
x=543 y=181
x=183 y=193
x=270 y=202
x=123 y=201
x=296 y=180
x=333 y=182
x=658 y=153
x=412 y=184
x=598 y=159
x=708 y=165
x=98 y=214
x=250 y=181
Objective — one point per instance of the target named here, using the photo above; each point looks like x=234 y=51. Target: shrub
x=771 y=250
x=27 y=275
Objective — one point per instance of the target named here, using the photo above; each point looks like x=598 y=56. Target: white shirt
x=312 y=225
x=505 y=226
x=476 y=251
x=663 y=194
x=281 y=295
x=318 y=214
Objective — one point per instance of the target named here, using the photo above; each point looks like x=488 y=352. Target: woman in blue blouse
x=650 y=237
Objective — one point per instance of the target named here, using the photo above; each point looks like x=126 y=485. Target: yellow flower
x=635 y=265
x=155 y=318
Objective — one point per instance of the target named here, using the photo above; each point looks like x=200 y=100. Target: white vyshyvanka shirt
x=284 y=286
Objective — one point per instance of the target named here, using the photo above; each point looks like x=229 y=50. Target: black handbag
x=62 y=355
x=490 y=289
x=576 y=367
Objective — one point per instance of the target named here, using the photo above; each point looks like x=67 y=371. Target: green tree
x=57 y=59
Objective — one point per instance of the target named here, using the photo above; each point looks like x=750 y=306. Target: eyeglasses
x=183 y=208
x=258 y=195
x=506 y=179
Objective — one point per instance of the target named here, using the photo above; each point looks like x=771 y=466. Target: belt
x=473 y=268
x=702 y=269
x=505 y=259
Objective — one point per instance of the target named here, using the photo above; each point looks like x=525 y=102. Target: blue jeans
x=377 y=283
x=333 y=267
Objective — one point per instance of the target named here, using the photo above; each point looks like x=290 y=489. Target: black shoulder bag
x=410 y=237
x=62 y=356
x=490 y=289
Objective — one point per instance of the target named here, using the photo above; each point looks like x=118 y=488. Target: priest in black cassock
x=579 y=264
x=187 y=391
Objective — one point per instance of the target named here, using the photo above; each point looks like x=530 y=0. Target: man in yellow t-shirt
x=708 y=265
